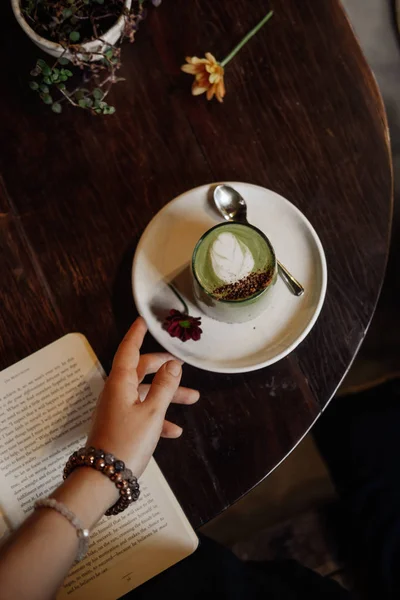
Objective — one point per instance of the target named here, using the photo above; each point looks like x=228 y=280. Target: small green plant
x=75 y=78
x=51 y=83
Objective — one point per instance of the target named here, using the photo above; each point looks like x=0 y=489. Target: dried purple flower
x=183 y=326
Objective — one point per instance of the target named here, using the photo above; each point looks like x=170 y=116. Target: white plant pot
x=109 y=38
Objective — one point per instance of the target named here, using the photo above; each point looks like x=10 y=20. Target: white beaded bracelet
x=81 y=532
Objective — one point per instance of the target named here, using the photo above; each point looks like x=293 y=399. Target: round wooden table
x=302 y=116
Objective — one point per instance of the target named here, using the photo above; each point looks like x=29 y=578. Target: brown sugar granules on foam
x=239 y=290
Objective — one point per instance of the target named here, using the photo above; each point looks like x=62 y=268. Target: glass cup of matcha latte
x=234 y=267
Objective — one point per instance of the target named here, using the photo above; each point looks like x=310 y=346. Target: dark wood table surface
x=302 y=116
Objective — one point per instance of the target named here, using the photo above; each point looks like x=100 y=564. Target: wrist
x=88 y=494
x=134 y=463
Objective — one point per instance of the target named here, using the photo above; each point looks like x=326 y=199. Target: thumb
x=164 y=386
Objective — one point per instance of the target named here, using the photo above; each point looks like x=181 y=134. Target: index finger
x=127 y=356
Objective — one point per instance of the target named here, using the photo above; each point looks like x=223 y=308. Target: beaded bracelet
x=114 y=469
x=81 y=532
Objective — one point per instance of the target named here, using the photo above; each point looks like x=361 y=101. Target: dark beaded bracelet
x=114 y=469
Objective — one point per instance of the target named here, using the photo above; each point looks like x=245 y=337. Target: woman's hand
x=129 y=417
x=44 y=548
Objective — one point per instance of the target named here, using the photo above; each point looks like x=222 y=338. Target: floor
x=374 y=24
x=302 y=484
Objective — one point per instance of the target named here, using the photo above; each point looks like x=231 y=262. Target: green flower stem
x=177 y=294
x=244 y=41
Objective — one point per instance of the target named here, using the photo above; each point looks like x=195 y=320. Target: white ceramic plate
x=164 y=254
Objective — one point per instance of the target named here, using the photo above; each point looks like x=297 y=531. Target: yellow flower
x=209 y=76
x=209 y=73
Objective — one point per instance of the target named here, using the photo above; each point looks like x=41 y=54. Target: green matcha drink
x=233 y=266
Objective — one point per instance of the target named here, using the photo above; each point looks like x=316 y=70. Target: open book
x=46 y=402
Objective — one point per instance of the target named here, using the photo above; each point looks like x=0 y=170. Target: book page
x=46 y=403
x=4 y=528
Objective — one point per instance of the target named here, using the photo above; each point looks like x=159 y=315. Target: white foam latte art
x=231 y=261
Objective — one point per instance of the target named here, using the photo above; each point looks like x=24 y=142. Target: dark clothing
x=214 y=572
x=359 y=436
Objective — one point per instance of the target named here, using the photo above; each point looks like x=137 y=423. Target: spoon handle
x=292 y=283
